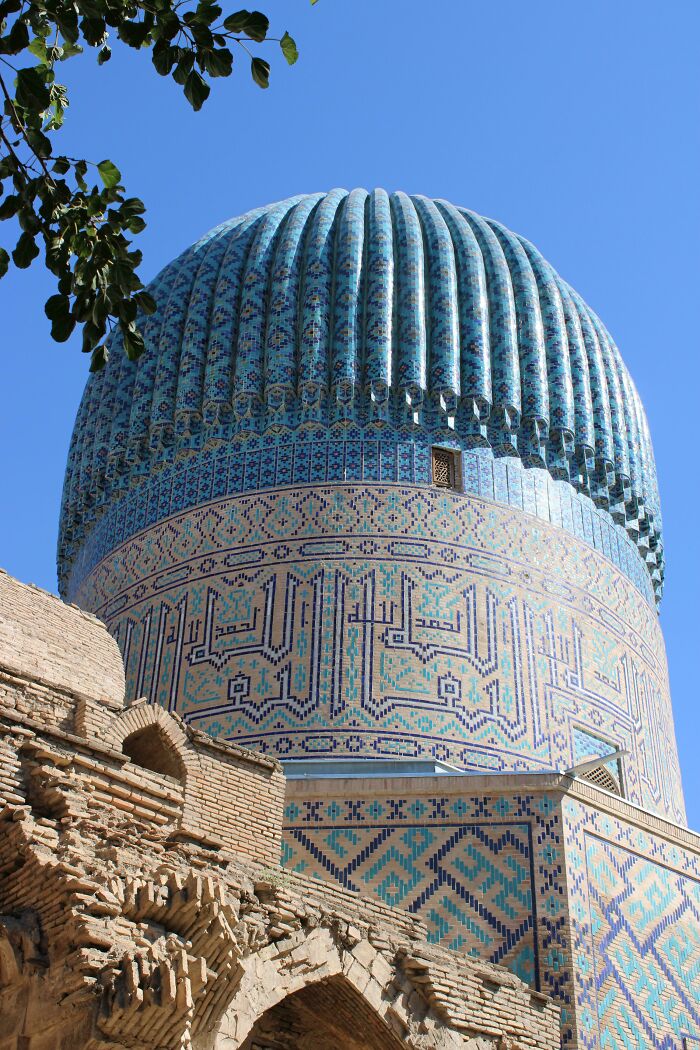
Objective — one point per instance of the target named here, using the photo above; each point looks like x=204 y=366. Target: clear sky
x=575 y=123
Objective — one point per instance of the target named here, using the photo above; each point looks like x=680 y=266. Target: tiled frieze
x=388 y=620
x=275 y=462
x=634 y=899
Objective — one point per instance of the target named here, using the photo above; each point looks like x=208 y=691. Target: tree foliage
x=76 y=209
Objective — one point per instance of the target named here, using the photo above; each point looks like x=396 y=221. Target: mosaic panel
x=390 y=620
x=484 y=873
x=635 y=904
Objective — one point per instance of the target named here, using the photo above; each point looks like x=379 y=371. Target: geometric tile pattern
x=490 y=887
x=635 y=904
x=367 y=316
x=385 y=620
x=277 y=462
x=598 y=911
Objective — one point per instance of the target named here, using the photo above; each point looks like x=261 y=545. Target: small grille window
x=602 y=778
x=444 y=468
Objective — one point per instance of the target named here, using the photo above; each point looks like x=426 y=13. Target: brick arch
x=315 y=981
x=129 y=733
x=141 y=715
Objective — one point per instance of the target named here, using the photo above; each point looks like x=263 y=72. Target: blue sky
x=576 y=124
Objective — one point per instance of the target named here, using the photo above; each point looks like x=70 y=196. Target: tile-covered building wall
x=584 y=896
x=484 y=871
x=634 y=898
x=392 y=620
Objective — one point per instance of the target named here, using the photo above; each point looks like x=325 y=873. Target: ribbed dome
x=354 y=313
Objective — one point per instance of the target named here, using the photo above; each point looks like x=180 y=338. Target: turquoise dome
x=344 y=315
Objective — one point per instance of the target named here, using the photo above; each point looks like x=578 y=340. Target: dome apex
x=348 y=314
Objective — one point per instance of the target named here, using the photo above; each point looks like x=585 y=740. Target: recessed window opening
x=150 y=749
x=445 y=468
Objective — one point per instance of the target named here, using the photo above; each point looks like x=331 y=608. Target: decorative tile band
x=384 y=620
x=211 y=474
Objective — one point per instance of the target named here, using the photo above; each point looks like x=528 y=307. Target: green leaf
x=163 y=57
x=9 y=207
x=184 y=67
x=80 y=172
x=219 y=63
x=32 y=90
x=133 y=206
x=39 y=142
x=56 y=306
x=168 y=25
x=133 y=343
x=94 y=30
x=109 y=173
x=69 y=51
x=99 y=358
x=66 y=19
x=25 y=251
x=57 y=309
x=289 y=49
x=252 y=23
x=135 y=225
x=16 y=40
x=61 y=165
x=37 y=47
x=260 y=70
x=127 y=310
x=4 y=262
x=133 y=33
x=146 y=302
x=196 y=90
x=104 y=55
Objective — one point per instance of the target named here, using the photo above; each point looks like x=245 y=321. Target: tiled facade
x=586 y=898
x=634 y=898
x=392 y=621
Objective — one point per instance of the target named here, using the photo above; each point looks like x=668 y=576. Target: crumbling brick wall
x=144 y=909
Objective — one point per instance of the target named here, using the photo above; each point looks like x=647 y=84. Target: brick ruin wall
x=145 y=907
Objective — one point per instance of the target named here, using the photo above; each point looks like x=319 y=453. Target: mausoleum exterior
x=379 y=503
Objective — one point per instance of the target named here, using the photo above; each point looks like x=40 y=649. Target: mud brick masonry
x=145 y=907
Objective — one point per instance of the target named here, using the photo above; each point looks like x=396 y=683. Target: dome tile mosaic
x=374 y=318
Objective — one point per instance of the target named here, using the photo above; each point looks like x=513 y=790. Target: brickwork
x=143 y=909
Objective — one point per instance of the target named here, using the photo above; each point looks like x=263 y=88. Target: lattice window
x=444 y=468
x=602 y=778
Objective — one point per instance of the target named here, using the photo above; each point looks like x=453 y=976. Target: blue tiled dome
x=347 y=314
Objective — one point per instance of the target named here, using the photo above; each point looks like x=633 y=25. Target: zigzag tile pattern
x=482 y=874
x=376 y=620
x=361 y=317
x=635 y=901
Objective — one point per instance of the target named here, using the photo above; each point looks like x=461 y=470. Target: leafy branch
x=86 y=225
